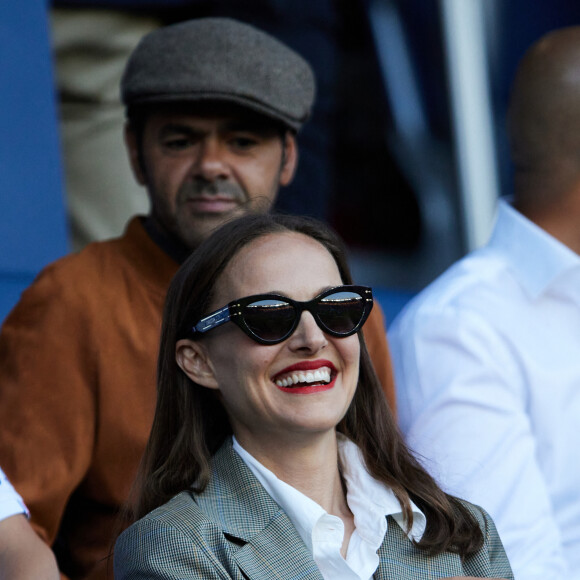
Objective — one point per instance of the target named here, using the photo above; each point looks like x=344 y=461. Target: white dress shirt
x=10 y=502
x=487 y=366
x=369 y=501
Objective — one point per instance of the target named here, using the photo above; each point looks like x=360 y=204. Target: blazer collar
x=236 y=501
x=270 y=546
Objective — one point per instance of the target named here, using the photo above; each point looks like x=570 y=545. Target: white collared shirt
x=369 y=501
x=487 y=367
x=10 y=502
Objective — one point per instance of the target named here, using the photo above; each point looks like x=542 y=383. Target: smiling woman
x=273 y=452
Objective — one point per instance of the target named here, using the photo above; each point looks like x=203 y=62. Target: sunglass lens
x=269 y=319
x=341 y=312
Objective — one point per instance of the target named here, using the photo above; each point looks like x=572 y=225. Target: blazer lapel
x=270 y=545
x=277 y=552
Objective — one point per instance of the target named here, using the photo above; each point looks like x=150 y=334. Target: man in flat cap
x=213 y=108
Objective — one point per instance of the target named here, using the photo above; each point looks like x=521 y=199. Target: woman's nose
x=308 y=336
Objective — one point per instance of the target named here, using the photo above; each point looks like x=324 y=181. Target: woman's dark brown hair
x=191 y=424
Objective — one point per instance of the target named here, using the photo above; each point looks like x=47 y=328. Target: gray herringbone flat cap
x=220 y=59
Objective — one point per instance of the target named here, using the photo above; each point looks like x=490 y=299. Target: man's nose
x=211 y=160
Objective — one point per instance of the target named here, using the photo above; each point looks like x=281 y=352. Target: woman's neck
x=309 y=466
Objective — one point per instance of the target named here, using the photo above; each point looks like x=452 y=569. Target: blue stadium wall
x=32 y=214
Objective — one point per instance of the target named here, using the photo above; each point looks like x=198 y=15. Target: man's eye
x=244 y=142
x=177 y=144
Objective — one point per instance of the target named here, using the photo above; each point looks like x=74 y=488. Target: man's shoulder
x=85 y=260
x=92 y=267
x=81 y=283
x=482 y=277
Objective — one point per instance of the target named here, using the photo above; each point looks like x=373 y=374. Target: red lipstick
x=306 y=365
x=287 y=381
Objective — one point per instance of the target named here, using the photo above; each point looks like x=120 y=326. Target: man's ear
x=192 y=357
x=132 y=144
x=290 y=158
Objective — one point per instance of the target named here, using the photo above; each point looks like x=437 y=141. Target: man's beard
x=198 y=188
x=193 y=228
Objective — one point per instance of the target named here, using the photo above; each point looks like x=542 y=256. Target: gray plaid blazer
x=235 y=530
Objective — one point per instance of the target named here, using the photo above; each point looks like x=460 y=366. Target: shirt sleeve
x=11 y=503
x=47 y=404
x=462 y=406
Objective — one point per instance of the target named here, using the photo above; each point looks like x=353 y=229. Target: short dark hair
x=191 y=424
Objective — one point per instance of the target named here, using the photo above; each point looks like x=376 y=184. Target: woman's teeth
x=321 y=375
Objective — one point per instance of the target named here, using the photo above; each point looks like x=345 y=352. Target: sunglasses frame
x=233 y=312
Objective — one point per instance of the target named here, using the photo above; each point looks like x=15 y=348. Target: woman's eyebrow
x=283 y=294
x=280 y=293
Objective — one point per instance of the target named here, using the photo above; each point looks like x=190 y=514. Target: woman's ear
x=193 y=359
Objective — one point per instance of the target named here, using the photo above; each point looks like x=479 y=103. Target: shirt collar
x=368 y=497
x=369 y=500
x=538 y=258
x=302 y=511
x=172 y=246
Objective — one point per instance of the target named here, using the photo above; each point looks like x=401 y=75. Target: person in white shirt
x=487 y=358
x=23 y=555
x=273 y=453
